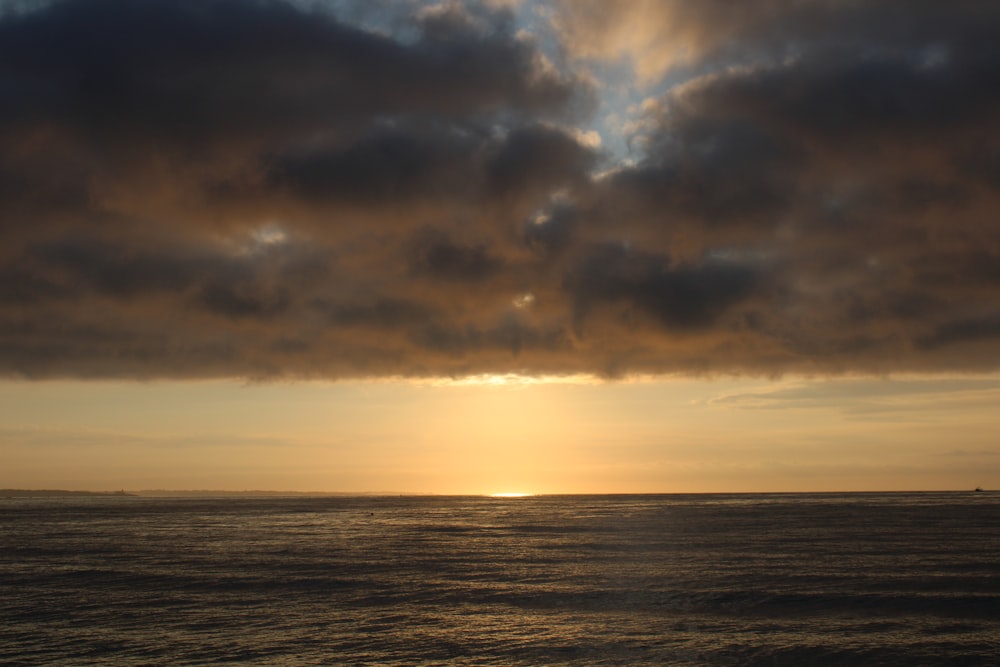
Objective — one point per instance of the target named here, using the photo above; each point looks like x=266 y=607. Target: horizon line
x=385 y=494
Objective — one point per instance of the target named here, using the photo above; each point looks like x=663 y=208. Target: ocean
x=756 y=579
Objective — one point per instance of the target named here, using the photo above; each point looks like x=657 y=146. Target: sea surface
x=786 y=579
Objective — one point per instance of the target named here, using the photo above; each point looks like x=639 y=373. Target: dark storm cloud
x=114 y=270
x=186 y=69
x=679 y=299
x=201 y=112
x=509 y=337
x=985 y=329
x=383 y=313
x=263 y=189
x=840 y=175
x=401 y=163
x=124 y=272
x=440 y=257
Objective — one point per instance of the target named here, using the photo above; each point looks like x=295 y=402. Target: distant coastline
x=172 y=493
x=222 y=493
x=48 y=493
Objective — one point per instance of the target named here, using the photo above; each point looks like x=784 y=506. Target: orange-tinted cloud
x=226 y=188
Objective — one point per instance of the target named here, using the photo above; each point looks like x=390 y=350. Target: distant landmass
x=47 y=493
x=261 y=492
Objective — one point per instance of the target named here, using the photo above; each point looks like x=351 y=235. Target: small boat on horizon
x=979 y=489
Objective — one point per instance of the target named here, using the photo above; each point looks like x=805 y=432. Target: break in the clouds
x=275 y=189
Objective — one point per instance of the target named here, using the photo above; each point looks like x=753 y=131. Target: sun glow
x=511 y=494
x=508 y=380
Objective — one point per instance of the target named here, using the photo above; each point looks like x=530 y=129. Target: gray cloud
x=677 y=298
x=258 y=189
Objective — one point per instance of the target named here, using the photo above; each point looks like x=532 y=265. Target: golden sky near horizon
x=667 y=436
x=499 y=246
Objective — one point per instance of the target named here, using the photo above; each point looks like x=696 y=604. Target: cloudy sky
x=527 y=245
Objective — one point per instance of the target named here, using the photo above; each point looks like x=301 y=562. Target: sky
x=564 y=246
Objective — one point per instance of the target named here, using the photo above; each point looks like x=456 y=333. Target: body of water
x=784 y=579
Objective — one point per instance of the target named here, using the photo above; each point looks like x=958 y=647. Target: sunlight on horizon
x=507 y=380
x=674 y=435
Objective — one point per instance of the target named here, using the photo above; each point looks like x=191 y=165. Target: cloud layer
x=267 y=189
